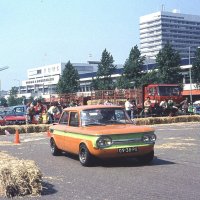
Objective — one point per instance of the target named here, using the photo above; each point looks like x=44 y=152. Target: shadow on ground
x=48 y=189
x=121 y=162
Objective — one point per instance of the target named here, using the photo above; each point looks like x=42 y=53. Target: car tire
x=54 y=149
x=85 y=157
x=147 y=158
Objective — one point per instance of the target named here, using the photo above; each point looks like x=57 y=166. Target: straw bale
x=167 y=120
x=19 y=177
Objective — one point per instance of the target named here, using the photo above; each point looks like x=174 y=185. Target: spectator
x=30 y=112
x=163 y=106
x=185 y=105
x=157 y=109
x=171 y=106
x=170 y=103
x=128 y=107
x=108 y=102
x=52 y=112
x=147 y=107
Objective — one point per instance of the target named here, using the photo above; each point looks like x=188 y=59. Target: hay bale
x=19 y=177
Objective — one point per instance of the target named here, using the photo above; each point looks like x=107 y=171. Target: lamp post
x=190 y=75
x=1 y=69
x=189 y=67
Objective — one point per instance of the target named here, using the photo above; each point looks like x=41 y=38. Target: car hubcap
x=52 y=146
x=83 y=155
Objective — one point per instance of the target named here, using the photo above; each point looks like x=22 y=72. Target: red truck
x=160 y=92
x=156 y=92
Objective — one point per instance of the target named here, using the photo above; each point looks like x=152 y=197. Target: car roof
x=88 y=107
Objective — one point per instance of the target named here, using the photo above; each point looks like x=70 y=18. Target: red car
x=12 y=118
x=2 y=121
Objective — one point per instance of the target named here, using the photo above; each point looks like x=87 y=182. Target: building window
x=39 y=71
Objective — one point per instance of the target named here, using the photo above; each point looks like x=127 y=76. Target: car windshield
x=104 y=116
x=169 y=90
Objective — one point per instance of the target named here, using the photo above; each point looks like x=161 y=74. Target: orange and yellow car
x=101 y=131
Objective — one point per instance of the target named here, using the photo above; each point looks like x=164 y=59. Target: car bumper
x=114 y=153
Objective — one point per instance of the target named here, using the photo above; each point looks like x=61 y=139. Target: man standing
x=128 y=107
x=147 y=107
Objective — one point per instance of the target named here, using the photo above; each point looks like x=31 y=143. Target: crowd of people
x=156 y=108
x=38 y=112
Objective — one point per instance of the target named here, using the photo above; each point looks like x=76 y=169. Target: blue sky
x=38 y=32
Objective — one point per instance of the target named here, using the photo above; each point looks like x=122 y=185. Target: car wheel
x=54 y=149
x=147 y=158
x=85 y=157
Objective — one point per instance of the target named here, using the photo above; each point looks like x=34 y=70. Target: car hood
x=104 y=130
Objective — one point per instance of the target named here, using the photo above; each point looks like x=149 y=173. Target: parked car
x=196 y=107
x=19 y=109
x=11 y=117
x=102 y=131
x=2 y=121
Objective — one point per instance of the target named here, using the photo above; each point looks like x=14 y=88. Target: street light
x=190 y=74
x=1 y=69
x=189 y=66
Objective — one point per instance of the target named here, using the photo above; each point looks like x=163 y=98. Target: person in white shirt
x=52 y=111
x=128 y=107
x=108 y=102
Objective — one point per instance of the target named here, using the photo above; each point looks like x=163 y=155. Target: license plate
x=128 y=150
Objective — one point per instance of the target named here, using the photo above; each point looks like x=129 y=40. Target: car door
x=72 y=139
x=60 y=133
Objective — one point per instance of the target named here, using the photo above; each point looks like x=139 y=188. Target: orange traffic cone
x=17 y=141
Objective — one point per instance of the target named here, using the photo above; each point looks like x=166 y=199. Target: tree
x=12 y=99
x=106 y=68
x=195 y=71
x=149 y=78
x=3 y=102
x=69 y=80
x=168 y=65
x=132 y=71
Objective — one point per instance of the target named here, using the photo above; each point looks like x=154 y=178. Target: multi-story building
x=43 y=80
x=182 y=31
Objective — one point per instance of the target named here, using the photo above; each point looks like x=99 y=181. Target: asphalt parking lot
x=174 y=173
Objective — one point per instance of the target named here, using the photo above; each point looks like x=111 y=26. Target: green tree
x=195 y=71
x=69 y=80
x=3 y=101
x=132 y=70
x=168 y=65
x=14 y=91
x=106 y=68
x=149 y=78
x=12 y=99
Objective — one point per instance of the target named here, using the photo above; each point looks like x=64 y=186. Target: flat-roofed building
x=43 y=80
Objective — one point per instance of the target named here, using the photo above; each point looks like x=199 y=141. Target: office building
x=182 y=31
x=43 y=80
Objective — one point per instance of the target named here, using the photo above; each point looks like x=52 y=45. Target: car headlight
x=104 y=141
x=149 y=138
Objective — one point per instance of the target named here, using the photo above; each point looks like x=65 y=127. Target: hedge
x=139 y=121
